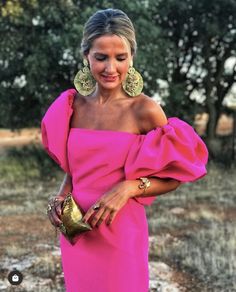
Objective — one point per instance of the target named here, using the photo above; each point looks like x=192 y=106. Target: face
x=109 y=60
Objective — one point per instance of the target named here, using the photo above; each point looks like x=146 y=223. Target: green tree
x=185 y=43
x=200 y=36
x=39 y=52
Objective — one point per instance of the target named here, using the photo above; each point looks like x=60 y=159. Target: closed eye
x=121 y=59
x=104 y=58
x=100 y=58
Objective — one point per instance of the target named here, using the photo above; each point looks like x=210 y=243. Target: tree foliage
x=185 y=43
x=201 y=37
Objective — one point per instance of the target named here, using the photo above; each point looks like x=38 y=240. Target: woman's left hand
x=111 y=202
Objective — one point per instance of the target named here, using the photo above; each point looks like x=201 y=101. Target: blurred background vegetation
x=187 y=57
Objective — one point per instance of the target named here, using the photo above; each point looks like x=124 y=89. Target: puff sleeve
x=55 y=128
x=171 y=151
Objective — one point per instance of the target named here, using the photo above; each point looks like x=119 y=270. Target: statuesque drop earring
x=84 y=82
x=133 y=84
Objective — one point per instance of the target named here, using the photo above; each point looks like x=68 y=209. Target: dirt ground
x=19 y=138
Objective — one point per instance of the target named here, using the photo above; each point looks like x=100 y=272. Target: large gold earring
x=84 y=81
x=133 y=83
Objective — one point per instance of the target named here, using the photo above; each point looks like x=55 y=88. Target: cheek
x=96 y=67
x=123 y=68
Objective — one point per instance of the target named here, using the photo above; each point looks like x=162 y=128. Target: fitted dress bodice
x=96 y=161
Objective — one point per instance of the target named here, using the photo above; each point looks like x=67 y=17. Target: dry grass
x=203 y=234
x=193 y=229
x=47 y=266
x=14 y=251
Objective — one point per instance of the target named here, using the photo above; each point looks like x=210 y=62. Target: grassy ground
x=192 y=229
x=198 y=224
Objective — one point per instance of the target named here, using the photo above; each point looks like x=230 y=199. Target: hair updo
x=108 y=22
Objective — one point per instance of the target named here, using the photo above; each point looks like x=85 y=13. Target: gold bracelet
x=145 y=184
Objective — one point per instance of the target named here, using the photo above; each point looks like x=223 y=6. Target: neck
x=103 y=96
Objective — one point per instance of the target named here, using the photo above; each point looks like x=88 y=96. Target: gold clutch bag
x=71 y=217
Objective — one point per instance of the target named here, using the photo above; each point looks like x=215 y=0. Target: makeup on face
x=109 y=60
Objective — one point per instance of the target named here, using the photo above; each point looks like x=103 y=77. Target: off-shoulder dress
x=114 y=258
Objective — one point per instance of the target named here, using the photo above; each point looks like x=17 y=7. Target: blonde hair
x=108 y=22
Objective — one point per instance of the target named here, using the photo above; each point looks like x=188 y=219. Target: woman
x=119 y=151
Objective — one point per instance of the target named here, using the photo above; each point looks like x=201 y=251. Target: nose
x=110 y=67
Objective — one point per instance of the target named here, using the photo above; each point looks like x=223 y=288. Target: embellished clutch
x=71 y=217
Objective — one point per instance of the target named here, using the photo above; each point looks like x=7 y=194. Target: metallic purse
x=71 y=217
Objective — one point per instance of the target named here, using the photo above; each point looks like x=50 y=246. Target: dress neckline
x=105 y=131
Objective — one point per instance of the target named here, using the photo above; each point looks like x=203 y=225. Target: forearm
x=158 y=187
x=66 y=186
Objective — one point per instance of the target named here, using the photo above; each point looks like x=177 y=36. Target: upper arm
x=149 y=114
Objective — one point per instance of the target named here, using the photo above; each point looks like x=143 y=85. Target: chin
x=110 y=85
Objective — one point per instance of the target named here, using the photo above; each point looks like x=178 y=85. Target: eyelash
x=101 y=59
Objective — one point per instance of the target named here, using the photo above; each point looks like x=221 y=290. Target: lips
x=109 y=78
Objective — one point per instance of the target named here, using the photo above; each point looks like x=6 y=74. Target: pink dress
x=115 y=258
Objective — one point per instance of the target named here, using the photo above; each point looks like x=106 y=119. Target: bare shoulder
x=78 y=100
x=149 y=113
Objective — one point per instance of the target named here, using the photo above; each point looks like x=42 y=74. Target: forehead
x=108 y=44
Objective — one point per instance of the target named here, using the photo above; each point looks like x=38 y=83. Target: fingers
x=54 y=211
x=111 y=217
x=53 y=217
x=98 y=216
x=91 y=212
x=58 y=207
x=55 y=221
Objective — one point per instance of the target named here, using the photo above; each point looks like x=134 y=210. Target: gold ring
x=96 y=206
x=55 y=200
x=49 y=208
